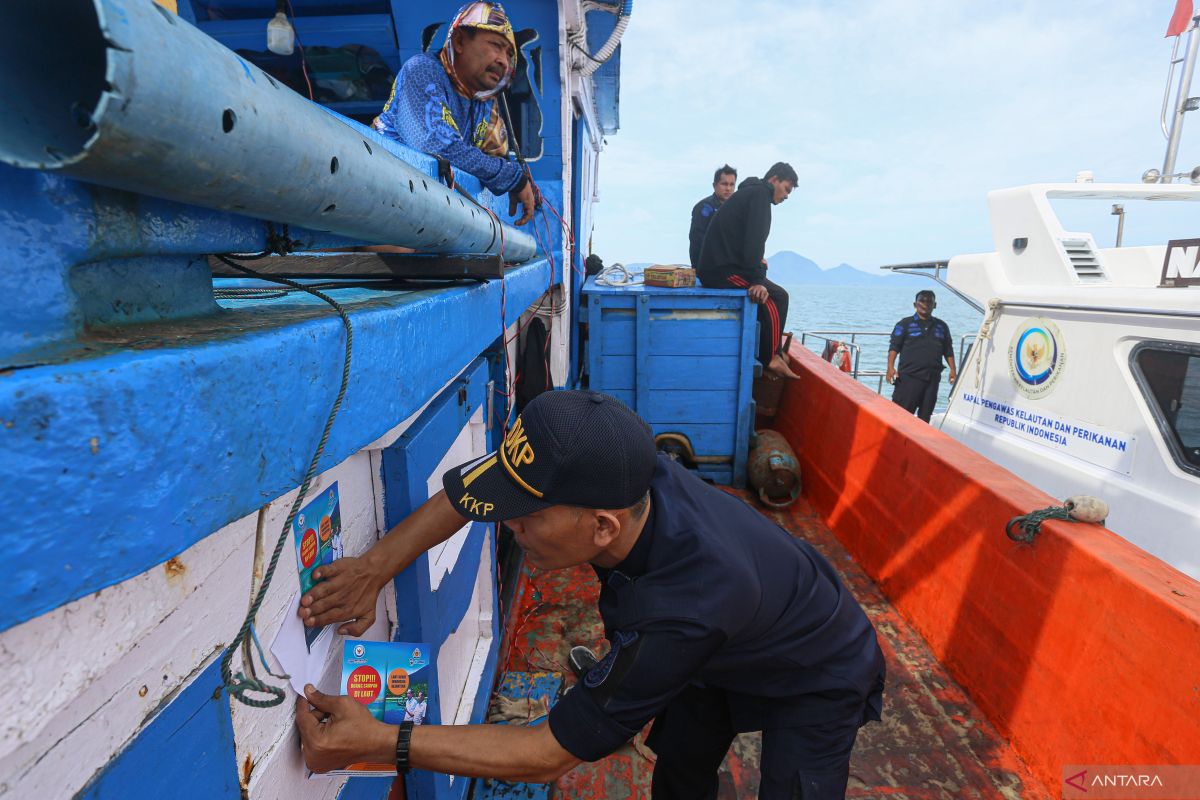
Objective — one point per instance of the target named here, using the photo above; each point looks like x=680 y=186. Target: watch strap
x=403 y=738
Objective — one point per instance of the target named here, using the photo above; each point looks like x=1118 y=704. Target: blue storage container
x=684 y=359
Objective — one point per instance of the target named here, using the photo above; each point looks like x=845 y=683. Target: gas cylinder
x=773 y=470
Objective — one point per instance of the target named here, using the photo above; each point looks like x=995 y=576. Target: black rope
x=1030 y=524
x=385 y=284
x=238 y=684
x=250 y=293
x=506 y=115
x=280 y=242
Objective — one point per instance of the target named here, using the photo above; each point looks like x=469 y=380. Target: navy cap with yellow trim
x=566 y=448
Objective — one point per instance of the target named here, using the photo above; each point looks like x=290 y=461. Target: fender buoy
x=838 y=354
x=841 y=358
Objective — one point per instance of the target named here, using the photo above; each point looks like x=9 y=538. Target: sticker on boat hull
x=1086 y=441
x=1036 y=357
x=1181 y=265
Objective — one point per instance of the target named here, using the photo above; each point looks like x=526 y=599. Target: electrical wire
x=300 y=46
x=570 y=233
x=383 y=284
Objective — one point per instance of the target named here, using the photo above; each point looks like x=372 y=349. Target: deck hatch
x=1084 y=260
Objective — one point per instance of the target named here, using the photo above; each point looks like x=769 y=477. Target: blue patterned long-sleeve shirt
x=427 y=114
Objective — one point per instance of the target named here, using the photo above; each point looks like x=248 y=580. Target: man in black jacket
x=710 y=635
x=724 y=181
x=732 y=256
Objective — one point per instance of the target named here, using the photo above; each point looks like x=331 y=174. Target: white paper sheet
x=298 y=661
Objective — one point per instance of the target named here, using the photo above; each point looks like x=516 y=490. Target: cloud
x=898 y=116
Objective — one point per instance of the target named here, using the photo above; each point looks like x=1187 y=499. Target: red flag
x=1181 y=18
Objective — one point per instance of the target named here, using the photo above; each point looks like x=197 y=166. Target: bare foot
x=781 y=368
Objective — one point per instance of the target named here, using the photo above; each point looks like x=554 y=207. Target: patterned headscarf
x=490 y=137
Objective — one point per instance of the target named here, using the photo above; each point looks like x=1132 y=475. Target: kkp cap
x=566 y=448
x=486 y=17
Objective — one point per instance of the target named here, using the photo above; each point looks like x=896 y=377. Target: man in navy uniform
x=724 y=181
x=718 y=620
x=921 y=341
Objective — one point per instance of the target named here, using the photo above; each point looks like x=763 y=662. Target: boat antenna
x=1183 y=103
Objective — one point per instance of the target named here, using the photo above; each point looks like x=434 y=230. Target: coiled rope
x=237 y=685
x=1078 y=508
x=1027 y=526
x=619 y=275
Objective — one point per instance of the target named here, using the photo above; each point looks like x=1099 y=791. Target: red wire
x=503 y=327
x=570 y=237
x=549 y=289
x=544 y=243
x=303 y=60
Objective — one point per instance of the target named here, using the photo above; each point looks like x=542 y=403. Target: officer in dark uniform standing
x=724 y=182
x=718 y=620
x=921 y=341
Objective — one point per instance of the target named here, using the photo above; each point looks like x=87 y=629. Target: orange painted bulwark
x=1080 y=647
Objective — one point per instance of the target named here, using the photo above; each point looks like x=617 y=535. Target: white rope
x=985 y=334
x=627 y=277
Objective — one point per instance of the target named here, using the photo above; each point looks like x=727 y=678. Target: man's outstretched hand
x=526 y=198
x=336 y=731
x=349 y=587
x=347 y=593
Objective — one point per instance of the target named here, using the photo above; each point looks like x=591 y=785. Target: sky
x=898 y=115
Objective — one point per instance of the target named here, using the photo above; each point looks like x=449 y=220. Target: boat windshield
x=1146 y=222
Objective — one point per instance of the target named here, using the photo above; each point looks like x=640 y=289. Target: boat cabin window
x=1169 y=376
x=1143 y=222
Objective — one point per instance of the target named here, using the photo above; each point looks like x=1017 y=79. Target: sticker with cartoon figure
x=389 y=678
x=317 y=531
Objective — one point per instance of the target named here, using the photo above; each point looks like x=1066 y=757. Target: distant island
x=788 y=268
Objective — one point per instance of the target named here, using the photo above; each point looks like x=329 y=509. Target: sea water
x=872 y=312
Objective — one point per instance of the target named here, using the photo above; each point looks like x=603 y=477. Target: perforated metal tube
x=127 y=95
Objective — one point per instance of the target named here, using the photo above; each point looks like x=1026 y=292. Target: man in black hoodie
x=732 y=256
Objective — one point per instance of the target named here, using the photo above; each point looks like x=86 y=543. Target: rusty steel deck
x=932 y=743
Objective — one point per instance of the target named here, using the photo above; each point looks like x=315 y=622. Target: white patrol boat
x=1085 y=375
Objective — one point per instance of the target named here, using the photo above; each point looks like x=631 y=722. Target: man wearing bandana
x=445 y=103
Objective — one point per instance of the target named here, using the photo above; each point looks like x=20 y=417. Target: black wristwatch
x=402 y=740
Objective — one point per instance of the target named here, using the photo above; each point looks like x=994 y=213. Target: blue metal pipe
x=125 y=94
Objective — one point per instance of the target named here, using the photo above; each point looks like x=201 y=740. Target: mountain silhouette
x=788 y=268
